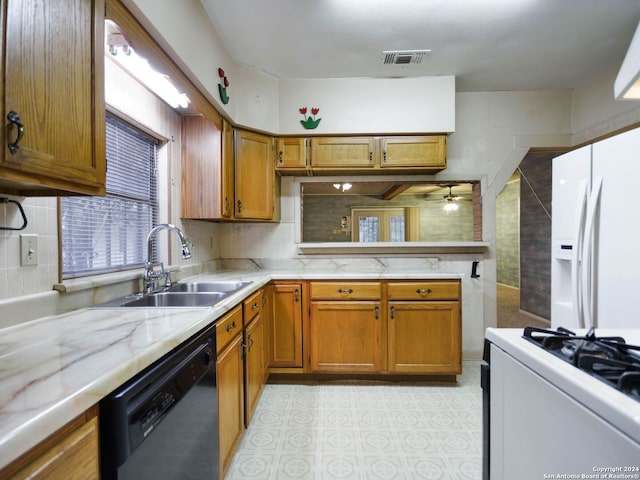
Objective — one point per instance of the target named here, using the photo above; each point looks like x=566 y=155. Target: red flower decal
x=220 y=72
x=303 y=110
x=315 y=110
x=226 y=82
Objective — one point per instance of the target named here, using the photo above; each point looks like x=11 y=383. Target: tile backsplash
x=17 y=280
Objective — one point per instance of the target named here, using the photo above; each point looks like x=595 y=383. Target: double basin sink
x=186 y=295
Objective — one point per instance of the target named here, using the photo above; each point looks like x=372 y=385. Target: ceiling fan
x=450 y=199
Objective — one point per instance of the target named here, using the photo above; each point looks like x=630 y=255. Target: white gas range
x=548 y=418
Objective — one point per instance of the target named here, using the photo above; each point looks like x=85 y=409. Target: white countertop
x=55 y=368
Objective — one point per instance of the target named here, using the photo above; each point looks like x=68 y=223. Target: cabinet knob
x=14 y=118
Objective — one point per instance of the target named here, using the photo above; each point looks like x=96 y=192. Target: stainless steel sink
x=183 y=295
x=226 y=287
x=172 y=299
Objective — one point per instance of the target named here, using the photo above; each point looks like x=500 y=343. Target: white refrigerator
x=595 y=229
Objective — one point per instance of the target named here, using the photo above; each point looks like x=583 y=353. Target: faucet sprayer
x=151 y=276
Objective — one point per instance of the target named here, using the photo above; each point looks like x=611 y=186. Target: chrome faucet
x=151 y=276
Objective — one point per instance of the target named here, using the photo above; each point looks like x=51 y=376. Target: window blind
x=101 y=234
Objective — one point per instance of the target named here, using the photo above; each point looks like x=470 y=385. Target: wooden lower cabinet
x=254 y=365
x=424 y=327
x=388 y=327
x=230 y=383
x=424 y=337
x=345 y=336
x=69 y=454
x=286 y=327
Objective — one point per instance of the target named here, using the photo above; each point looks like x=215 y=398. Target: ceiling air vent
x=404 y=57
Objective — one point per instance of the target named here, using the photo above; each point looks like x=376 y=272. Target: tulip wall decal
x=222 y=87
x=310 y=122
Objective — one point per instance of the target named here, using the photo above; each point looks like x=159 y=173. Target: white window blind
x=101 y=234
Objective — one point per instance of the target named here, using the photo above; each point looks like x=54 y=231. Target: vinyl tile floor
x=365 y=432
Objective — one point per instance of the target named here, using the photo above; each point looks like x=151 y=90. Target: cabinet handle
x=231 y=327
x=239 y=206
x=226 y=204
x=296 y=295
x=377 y=310
x=14 y=118
x=341 y=290
x=384 y=156
x=254 y=306
x=393 y=312
x=420 y=291
x=371 y=156
x=280 y=155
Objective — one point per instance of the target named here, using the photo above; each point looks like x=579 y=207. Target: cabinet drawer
x=345 y=290
x=252 y=306
x=424 y=290
x=228 y=328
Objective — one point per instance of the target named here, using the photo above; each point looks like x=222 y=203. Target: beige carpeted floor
x=509 y=314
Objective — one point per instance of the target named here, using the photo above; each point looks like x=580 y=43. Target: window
x=101 y=234
x=380 y=224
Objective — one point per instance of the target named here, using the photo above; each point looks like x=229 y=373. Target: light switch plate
x=28 y=249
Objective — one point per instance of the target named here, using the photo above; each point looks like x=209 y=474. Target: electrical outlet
x=28 y=249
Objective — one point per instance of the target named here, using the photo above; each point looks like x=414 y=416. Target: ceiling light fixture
x=342 y=186
x=122 y=53
x=450 y=206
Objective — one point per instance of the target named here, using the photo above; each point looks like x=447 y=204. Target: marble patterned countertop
x=54 y=368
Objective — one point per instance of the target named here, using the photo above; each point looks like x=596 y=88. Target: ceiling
x=489 y=45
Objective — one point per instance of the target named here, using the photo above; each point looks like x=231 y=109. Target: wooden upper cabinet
x=418 y=151
x=342 y=152
x=201 y=168
x=53 y=67
x=291 y=154
x=254 y=176
x=207 y=169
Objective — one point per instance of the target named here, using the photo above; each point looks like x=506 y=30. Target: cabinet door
x=230 y=380
x=227 y=180
x=254 y=176
x=254 y=365
x=53 y=67
x=286 y=331
x=425 y=337
x=342 y=152
x=201 y=168
x=345 y=336
x=69 y=454
x=427 y=151
x=291 y=154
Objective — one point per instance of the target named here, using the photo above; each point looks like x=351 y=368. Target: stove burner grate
x=610 y=359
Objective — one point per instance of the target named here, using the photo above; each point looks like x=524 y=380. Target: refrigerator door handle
x=576 y=257
x=587 y=255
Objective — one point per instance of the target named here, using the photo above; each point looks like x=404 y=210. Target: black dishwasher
x=163 y=423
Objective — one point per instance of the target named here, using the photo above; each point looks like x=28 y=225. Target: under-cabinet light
x=122 y=53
